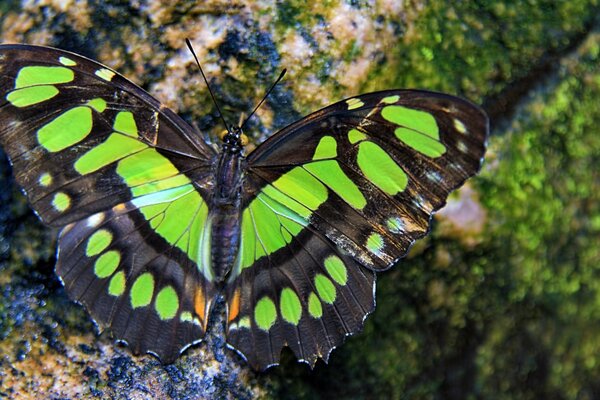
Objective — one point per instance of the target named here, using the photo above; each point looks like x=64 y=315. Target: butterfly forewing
x=360 y=179
x=377 y=166
x=128 y=178
x=70 y=125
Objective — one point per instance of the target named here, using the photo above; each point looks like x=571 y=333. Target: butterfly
x=156 y=223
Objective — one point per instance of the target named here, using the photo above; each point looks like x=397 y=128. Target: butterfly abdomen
x=225 y=232
x=225 y=218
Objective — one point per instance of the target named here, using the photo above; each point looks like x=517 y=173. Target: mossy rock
x=501 y=301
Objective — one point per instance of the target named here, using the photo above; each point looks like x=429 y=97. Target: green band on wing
x=354 y=136
x=277 y=214
x=380 y=168
x=67 y=129
x=247 y=251
x=325 y=288
x=287 y=201
x=315 y=309
x=107 y=264
x=178 y=215
x=327 y=148
x=267 y=226
x=61 y=201
x=117 y=283
x=422 y=143
x=291 y=221
x=98 y=242
x=336 y=269
x=97 y=104
x=300 y=185
x=330 y=173
x=147 y=171
x=375 y=243
x=31 y=95
x=40 y=75
x=390 y=99
x=45 y=179
x=416 y=120
x=114 y=148
x=162 y=198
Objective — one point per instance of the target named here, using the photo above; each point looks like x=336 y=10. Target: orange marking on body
x=119 y=207
x=234 y=305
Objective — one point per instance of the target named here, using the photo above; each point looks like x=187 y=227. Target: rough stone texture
x=502 y=301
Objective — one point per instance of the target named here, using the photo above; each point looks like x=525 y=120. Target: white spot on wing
x=434 y=176
x=105 y=74
x=421 y=203
x=95 y=220
x=462 y=147
x=395 y=224
x=45 y=179
x=460 y=126
x=67 y=61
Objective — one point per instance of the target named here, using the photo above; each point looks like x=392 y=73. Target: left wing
x=126 y=179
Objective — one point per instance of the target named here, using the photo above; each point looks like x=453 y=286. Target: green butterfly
x=156 y=223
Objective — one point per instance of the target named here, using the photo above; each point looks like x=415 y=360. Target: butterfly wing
x=333 y=198
x=126 y=178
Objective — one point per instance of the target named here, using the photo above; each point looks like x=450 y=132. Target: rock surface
x=505 y=304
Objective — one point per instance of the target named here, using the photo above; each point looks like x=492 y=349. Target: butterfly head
x=234 y=140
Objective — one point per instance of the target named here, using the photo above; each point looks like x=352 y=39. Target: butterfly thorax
x=226 y=209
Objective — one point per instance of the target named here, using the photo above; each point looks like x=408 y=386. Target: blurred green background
x=501 y=301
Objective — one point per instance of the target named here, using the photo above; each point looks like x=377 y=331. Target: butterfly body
x=226 y=205
x=155 y=223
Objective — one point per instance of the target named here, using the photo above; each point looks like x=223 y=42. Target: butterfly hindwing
x=348 y=188
x=127 y=179
x=148 y=291
x=308 y=296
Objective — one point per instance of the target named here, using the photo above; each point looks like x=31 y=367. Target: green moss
x=548 y=187
x=474 y=48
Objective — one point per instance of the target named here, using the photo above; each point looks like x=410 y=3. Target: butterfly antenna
x=189 y=45
x=264 y=97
